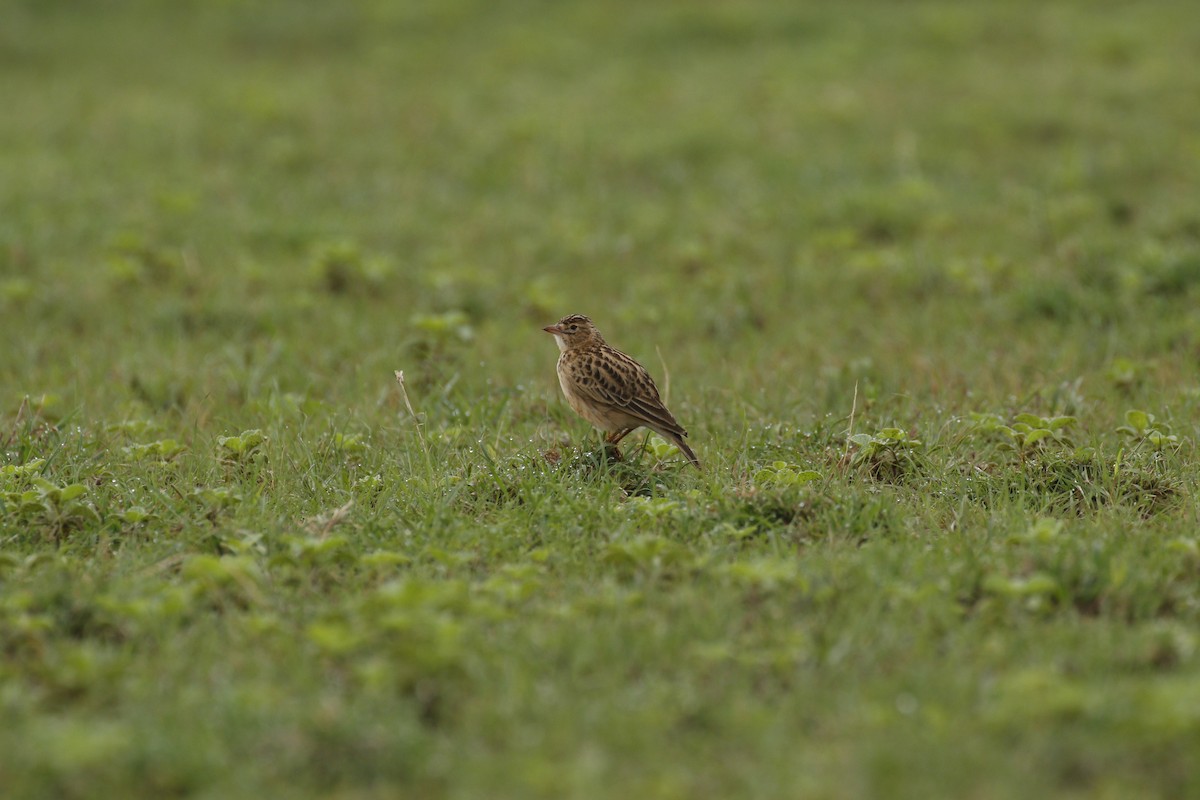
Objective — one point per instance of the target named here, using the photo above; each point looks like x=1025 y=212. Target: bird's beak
x=553 y=329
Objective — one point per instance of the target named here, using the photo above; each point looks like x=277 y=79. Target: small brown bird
x=608 y=388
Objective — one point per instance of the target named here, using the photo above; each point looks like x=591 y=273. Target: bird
x=608 y=388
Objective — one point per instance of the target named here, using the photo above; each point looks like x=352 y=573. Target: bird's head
x=574 y=330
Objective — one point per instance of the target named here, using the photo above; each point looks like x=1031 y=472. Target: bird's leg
x=616 y=436
x=610 y=443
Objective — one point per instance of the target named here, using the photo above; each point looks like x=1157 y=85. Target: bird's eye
x=572 y=327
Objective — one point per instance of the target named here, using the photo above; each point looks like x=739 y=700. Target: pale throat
x=561 y=342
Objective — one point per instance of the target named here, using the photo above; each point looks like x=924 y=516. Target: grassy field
x=921 y=278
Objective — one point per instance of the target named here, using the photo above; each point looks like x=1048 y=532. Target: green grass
x=862 y=239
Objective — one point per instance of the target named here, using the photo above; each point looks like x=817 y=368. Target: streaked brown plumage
x=608 y=388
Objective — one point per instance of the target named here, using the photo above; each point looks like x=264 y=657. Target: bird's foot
x=612 y=452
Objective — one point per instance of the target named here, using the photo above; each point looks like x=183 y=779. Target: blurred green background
x=763 y=180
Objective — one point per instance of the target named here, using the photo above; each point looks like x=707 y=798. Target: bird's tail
x=678 y=441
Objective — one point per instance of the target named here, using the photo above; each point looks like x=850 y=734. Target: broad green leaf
x=1159 y=440
x=385 y=558
x=1035 y=436
x=232 y=443
x=1138 y=420
x=1037 y=584
x=134 y=515
x=334 y=638
x=72 y=491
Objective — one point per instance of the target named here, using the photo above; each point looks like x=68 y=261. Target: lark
x=608 y=388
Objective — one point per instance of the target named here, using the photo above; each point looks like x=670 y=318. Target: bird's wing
x=618 y=381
